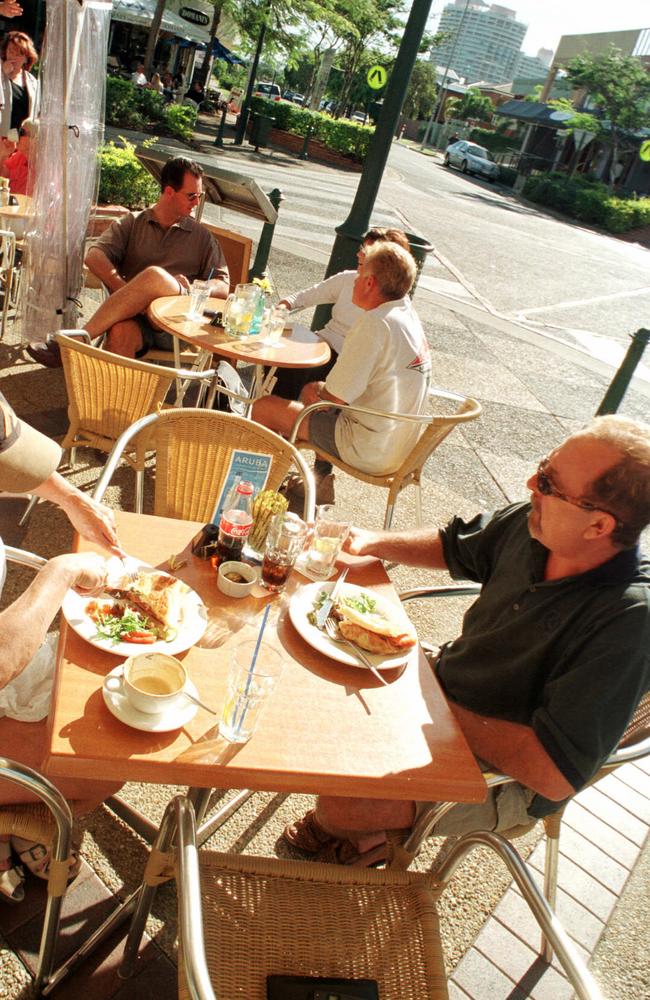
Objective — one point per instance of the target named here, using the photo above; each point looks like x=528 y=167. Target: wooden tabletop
x=327 y=728
x=301 y=349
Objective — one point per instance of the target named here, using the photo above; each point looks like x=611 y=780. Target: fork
x=130 y=573
x=332 y=629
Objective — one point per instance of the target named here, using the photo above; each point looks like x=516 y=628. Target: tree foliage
x=619 y=88
x=422 y=90
x=471 y=106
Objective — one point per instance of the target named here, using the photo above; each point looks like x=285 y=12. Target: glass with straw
x=251 y=680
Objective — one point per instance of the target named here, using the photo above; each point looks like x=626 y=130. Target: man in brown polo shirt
x=141 y=257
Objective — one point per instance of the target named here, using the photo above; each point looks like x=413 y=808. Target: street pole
x=351 y=232
x=618 y=386
x=245 y=108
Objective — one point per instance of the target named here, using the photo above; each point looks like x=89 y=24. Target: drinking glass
x=249 y=688
x=330 y=531
x=273 y=326
x=284 y=543
x=199 y=293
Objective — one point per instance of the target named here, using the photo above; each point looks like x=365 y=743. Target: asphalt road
x=524 y=263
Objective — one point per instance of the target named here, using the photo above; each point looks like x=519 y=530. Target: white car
x=471 y=159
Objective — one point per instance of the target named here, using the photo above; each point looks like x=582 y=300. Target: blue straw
x=209 y=277
x=257 y=648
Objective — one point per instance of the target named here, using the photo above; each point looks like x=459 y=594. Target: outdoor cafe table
x=327 y=728
x=301 y=348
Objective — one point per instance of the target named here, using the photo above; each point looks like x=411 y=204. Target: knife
x=328 y=603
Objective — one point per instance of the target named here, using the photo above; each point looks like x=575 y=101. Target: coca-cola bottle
x=235 y=523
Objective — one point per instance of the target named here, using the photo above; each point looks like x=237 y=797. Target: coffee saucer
x=176 y=717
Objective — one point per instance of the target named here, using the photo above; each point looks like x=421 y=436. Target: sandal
x=12 y=877
x=36 y=858
x=307 y=834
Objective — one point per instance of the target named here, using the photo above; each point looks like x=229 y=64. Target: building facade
x=484 y=41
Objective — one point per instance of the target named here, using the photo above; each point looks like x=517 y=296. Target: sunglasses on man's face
x=546 y=487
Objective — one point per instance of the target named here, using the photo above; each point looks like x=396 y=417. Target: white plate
x=302 y=603
x=120 y=706
x=194 y=624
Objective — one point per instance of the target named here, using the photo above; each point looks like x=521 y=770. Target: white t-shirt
x=384 y=364
x=337 y=290
x=139 y=79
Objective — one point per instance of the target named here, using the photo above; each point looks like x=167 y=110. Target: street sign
x=644 y=150
x=377 y=77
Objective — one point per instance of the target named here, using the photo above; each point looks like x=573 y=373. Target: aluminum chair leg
x=418 y=505
x=28 y=511
x=550 y=886
x=388 y=516
x=139 y=491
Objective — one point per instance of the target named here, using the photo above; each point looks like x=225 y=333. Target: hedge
x=340 y=134
x=123 y=180
x=589 y=201
x=494 y=141
x=138 y=108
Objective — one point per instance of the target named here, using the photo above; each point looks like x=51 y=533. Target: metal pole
x=258 y=270
x=351 y=232
x=218 y=142
x=618 y=386
x=305 y=145
x=245 y=108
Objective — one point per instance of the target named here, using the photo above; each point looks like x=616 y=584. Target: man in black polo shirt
x=554 y=655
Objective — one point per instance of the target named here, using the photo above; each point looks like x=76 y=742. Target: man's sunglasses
x=546 y=487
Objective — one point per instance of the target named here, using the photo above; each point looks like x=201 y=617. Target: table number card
x=244 y=465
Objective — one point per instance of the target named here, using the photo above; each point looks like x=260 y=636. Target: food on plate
x=143 y=609
x=369 y=623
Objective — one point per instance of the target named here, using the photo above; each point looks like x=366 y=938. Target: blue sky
x=547 y=20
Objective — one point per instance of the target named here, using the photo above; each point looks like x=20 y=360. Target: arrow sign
x=377 y=77
x=644 y=150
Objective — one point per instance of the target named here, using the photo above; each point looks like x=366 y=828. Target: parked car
x=270 y=90
x=327 y=105
x=358 y=116
x=291 y=95
x=471 y=159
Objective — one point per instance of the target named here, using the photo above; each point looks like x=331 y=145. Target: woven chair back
x=193 y=452
x=237 y=251
x=263 y=915
x=434 y=434
x=107 y=393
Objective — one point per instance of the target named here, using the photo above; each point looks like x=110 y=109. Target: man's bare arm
x=411 y=548
x=219 y=288
x=97 y=262
x=515 y=750
x=315 y=392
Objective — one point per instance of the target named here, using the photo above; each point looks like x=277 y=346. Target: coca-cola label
x=235 y=529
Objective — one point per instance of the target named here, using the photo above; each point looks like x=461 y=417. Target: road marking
x=570 y=304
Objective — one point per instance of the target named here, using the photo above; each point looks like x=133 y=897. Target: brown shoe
x=48 y=354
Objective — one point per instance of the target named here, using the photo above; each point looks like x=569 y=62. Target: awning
x=534 y=113
x=220 y=51
x=141 y=12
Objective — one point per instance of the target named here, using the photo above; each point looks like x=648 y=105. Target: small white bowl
x=229 y=587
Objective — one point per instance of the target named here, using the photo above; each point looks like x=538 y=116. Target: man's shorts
x=321 y=430
x=152 y=337
x=505 y=807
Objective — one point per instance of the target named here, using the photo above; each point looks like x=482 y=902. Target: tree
x=421 y=94
x=471 y=105
x=619 y=87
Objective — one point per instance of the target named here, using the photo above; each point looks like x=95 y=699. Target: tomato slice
x=135 y=636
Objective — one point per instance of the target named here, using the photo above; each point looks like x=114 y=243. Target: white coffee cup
x=152 y=682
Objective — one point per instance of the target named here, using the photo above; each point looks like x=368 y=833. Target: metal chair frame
x=410 y=471
x=552 y=823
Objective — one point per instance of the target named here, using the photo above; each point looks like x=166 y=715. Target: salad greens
x=363 y=603
x=113 y=629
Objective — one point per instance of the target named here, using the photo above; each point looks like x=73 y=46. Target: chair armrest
x=423 y=418
x=117 y=451
x=448 y=590
x=24 y=558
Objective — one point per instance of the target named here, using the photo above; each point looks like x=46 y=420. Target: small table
x=301 y=348
x=17 y=217
x=328 y=728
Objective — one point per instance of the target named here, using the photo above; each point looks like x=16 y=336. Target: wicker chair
x=193 y=452
x=10 y=272
x=634 y=745
x=264 y=916
x=108 y=393
x=435 y=430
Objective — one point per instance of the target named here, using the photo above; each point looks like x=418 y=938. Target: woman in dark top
x=18 y=87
